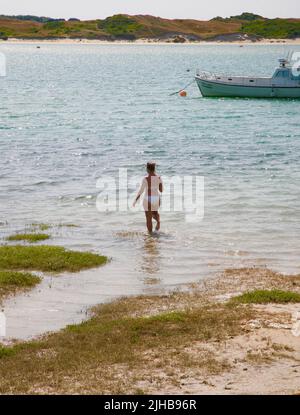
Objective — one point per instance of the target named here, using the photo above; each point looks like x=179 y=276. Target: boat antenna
x=289 y=56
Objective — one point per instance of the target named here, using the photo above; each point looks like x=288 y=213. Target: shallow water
x=71 y=113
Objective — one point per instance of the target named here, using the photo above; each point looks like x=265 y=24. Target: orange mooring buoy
x=183 y=93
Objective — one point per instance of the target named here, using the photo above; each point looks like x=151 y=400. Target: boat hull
x=210 y=88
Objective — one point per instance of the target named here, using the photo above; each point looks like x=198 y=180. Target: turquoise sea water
x=71 y=113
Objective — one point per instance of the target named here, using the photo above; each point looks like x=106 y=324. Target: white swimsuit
x=151 y=200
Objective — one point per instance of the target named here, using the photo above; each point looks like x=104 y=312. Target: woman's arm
x=161 y=186
x=140 y=192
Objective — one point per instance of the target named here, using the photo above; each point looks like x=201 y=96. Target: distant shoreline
x=151 y=42
x=146 y=29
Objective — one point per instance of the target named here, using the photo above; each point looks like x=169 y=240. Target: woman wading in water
x=151 y=187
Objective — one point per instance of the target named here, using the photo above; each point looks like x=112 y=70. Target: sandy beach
x=242 y=349
x=288 y=42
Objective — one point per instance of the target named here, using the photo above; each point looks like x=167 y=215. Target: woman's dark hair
x=151 y=166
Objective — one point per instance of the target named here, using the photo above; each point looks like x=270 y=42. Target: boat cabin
x=286 y=71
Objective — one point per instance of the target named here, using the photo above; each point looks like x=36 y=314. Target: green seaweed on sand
x=68 y=225
x=47 y=226
x=18 y=279
x=47 y=258
x=28 y=237
x=267 y=296
x=11 y=282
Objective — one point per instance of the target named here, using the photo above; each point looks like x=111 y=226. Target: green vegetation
x=120 y=347
x=57 y=27
x=267 y=296
x=28 y=237
x=244 y=16
x=47 y=259
x=273 y=29
x=31 y=18
x=18 y=279
x=6 y=351
x=54 y=25
x=4 y=35
x=11 y=282
x=120 y=26
x=248 y=16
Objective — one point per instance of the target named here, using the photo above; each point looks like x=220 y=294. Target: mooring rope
x=182 y=89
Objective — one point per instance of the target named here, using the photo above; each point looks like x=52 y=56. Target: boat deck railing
x=206 y=74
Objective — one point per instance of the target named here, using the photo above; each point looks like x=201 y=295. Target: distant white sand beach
x=291 y=42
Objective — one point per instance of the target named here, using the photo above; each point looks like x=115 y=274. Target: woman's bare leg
x=149 y=221
x=156 y=217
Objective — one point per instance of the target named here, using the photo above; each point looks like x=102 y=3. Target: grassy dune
x=140 y=26
x=116 y=27
x=153 y=27
x=11 y=28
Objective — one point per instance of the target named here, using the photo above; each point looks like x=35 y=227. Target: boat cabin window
x=229 y=79
x=251 y=80
x=282 y=74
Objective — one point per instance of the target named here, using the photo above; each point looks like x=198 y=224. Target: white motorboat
x=285 y=83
